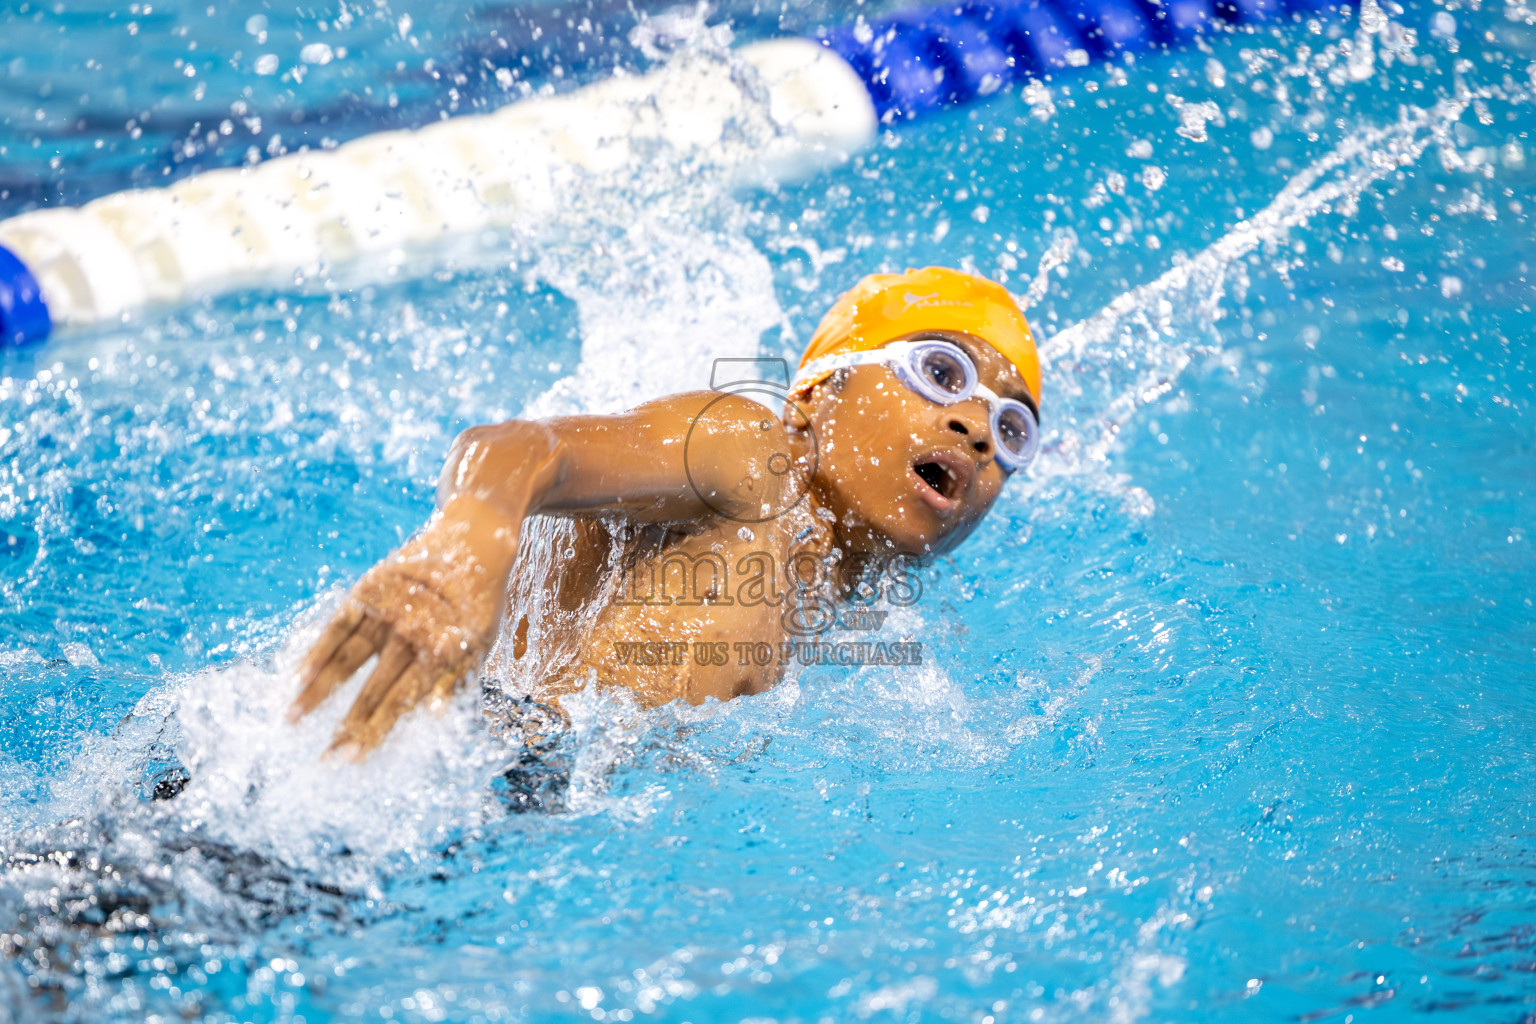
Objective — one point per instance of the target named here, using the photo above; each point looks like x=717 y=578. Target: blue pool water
x=1226 y=712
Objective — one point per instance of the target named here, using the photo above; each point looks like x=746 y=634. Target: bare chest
x=697 y=615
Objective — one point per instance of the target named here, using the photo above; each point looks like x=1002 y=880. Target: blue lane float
x=379 y=200
x=23 y=313
x=926 y=60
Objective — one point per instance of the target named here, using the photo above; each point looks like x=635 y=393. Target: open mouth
x=943 y=477
x=940 y=478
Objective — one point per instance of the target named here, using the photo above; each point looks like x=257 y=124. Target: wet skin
x=865 y=466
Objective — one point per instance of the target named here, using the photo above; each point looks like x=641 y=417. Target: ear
x=818 y=400
x=797 y=410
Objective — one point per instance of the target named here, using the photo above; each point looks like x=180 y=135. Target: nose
x=968 y=424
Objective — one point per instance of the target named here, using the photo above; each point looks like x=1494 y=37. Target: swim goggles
x=942 y=372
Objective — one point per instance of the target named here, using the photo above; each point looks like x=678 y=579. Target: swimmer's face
x=904 y=474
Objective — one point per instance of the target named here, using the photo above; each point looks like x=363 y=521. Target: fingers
x=394 y=659
x=333 y=660
x=413 y=685
x=359 y=648
x=446 y=683
x=368 y=724
x=342 y=625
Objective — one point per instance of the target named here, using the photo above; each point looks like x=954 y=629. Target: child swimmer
x=916 y=399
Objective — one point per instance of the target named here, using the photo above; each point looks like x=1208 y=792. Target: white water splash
x=659 y=35
x=1193 y=117
x=1362 y=55
x=657 y=307
x=1146 y=963
x=1061 y=249
x=258 y=783
x=1103 y=369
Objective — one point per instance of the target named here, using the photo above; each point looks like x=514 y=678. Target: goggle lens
x=943 y=370
x=1016 y=433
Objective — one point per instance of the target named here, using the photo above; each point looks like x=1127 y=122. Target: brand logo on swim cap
x=923 y=301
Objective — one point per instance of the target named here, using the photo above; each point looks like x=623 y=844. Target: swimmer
x=916 y=399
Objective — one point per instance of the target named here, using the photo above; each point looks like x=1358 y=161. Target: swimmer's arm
x=657 y=463
x=431 y=609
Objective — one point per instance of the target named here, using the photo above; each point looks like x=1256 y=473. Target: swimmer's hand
x=429 y=612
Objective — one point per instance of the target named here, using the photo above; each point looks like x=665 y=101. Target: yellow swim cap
x=884 y=307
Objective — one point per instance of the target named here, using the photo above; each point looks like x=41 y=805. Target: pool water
x=1226 y=712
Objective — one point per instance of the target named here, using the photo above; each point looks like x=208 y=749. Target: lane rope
x=362 y=210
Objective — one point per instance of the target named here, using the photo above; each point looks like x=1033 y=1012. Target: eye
x=1014 y=430
x=945 y=371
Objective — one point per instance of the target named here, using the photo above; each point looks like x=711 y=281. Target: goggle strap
x=818 y=368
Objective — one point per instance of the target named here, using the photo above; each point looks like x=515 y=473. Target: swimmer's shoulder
x=705 y=417
x=758 y=426
x=735 y=451
x=727 y=406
